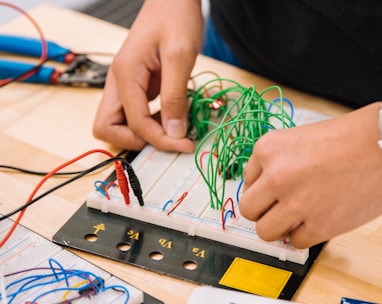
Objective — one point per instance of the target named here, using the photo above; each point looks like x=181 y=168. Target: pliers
x=80 y=72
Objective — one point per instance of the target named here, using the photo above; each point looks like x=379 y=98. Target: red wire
x=107 y=189
x=43 y=180
x=178 y=202
x=223 y=210
x=201 y=159
x=44 y=50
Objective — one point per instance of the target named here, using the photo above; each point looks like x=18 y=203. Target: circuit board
x=165 y=179
x=176 y=232
x=28 y=254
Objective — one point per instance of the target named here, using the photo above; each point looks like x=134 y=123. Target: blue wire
x=42 y=284
x=166 y=204
x=98 y=188
x=288 y=102
x=25 y=286
x=238 y=191
x=119 y=287
x=229 y=212
x=58 y=276
x=51 y=261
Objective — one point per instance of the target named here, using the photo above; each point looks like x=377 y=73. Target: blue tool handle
x=12 y=69
x=31 y=47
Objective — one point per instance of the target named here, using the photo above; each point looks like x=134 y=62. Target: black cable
x=83 y=173
x=42 y=173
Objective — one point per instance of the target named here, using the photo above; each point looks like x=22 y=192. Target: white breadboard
x=26 y=249
x=166 y=177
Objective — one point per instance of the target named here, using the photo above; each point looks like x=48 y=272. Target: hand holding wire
x=152 y=61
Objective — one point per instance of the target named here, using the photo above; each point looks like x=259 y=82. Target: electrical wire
x=51 y=190
x=42 y=173
x=228 y=119
x=31 y=199
x=56 y=279
x=44 y=45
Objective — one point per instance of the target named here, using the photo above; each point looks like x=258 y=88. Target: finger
x=305 y=236
x=151 y=131
x=257 y=200
x=138 y=113
x=124 y=138
x=176 y=70
x=110 y=122
x=252 y=171
x=277 y=223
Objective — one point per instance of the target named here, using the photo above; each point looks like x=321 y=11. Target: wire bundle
x=55 y=279
x=226 y=141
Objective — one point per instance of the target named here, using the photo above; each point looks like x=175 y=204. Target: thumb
x=174 y=104
x=174 y=109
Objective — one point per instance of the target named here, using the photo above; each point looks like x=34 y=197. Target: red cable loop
x=44 y=49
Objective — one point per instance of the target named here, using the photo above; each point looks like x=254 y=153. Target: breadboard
x=191 y=233
x=168 y=177
x=26 y=249
x=164 y=178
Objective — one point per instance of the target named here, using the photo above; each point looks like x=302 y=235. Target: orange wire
x=43 y=180
x=44 y=50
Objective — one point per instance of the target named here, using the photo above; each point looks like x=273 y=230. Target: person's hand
x=157 y=57
x=314 y=182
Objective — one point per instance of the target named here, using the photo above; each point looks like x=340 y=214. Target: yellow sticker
x=255 y=278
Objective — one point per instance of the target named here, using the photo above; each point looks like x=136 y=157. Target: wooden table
x=43 y=126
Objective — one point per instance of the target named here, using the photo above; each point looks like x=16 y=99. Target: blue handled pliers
x=81 y=71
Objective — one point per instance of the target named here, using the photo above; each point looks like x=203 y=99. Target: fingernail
x=176 y=128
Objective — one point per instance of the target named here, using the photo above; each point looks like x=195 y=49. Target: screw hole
x=157 y=256
x=124 y=247
x=91 y=237
x=190 y=265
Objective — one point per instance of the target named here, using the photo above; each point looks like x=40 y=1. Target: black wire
x=42 y=173
x=83 y=173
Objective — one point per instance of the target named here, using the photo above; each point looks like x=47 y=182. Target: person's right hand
x=316 y=181
x=156 y=58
